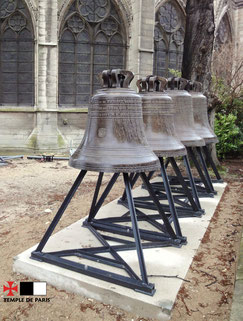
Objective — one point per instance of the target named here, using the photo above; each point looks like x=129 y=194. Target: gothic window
x=92 y=39
x=16 y=54
x=168 y=38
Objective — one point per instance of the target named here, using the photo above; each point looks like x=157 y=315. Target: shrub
x=229 y=134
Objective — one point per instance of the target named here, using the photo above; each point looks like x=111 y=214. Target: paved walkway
x=237 y=306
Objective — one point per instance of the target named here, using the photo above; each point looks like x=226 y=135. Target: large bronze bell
x=158 y=117
x=114 y=139
x=184 y=121
x=199 y=103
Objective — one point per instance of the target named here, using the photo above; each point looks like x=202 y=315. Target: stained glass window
x=16 y=54
x=168 y=38
x=92 y=39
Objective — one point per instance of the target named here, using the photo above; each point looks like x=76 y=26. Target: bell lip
x=171 y=153
x=206 y=133
x=195 y=143
x=181 y=91
x=154 y=93
x=209 y=140
x=197 y=93
x=135 y=168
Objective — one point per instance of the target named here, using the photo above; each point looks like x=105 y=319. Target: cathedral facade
x=51 y=52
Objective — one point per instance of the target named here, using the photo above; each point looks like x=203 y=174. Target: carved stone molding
x=224 y=31
x=222 y=6
x=181 y=3
x=32 y=8
x=126 y=10
x=238 y=4
x=124 y=6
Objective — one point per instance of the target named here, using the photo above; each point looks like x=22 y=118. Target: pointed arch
x=123 y=7
x=223 y=31
x=16 y=54
x=168 y=37
x=180 y=3
x=98 y=42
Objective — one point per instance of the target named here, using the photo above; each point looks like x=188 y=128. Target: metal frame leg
x=170 y=197
x=184 y=209
x=184 y=185
x=212 y=164
x=96 y=193
x=133 y=179
x=160 y=209
x=107 y=190
x=135 y=228
x=150 y=175
x=203 y=179
x=167 y=161
x=204 y=166
x=61 y=210
x=192 y=183
x=166 y=238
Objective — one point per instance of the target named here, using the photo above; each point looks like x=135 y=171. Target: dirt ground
x=30 y=194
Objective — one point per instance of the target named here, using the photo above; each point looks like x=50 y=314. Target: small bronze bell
x=199 y=103
x=114 y=139
x=184 y=121
x=158 y=117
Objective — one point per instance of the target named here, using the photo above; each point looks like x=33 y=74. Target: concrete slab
x=161 y=261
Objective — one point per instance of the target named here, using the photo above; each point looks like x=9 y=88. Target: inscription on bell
x=115 y=140
x=101 y=132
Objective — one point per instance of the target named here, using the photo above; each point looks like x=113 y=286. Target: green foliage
x=227 y=94
x=175 y=72
x=229 y=134
x=228 y=99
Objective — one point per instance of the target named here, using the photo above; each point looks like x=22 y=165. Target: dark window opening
x=168 y=39
x=92 y=39
x=16 y=54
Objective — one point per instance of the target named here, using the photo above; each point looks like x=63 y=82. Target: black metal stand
x=204 y=186
x=166 y=237
x=182 y=196
x=166 y=234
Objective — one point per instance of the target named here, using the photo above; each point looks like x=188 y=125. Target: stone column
x=142 y=45
x=238 y=19
x=46 y=136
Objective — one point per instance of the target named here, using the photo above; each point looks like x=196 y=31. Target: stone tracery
x=169 y=38
x=92 y=39
x=7 y=7
x=16 y=54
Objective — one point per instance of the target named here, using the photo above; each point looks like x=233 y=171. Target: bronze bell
x=200 y=113
x=114 y=139
x=158 y=117
x=184 y=121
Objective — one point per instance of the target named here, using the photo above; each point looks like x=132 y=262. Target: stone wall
x=238 y=27
x=45 y=126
